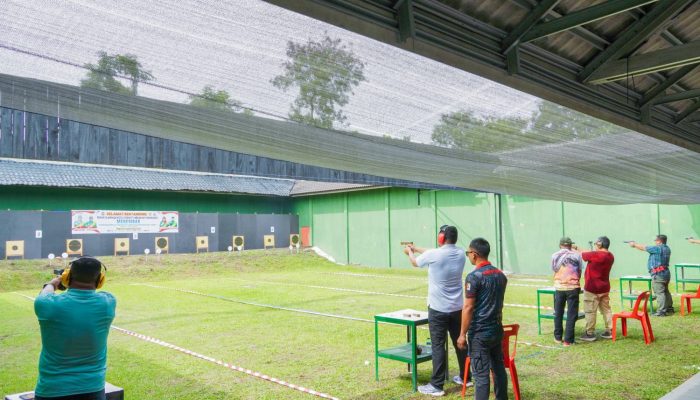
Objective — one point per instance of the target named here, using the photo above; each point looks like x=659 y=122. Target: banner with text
x=111 y=221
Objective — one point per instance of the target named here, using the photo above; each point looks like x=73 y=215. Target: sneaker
x=557 y=341
x=431 y=390
x=587 y=337
x=458 y=380
x=566 y=344
x=658 y=314
x=606 y=335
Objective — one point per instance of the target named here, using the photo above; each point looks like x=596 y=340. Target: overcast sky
x=240 y=46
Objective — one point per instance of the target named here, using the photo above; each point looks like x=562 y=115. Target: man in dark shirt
x=482 y=316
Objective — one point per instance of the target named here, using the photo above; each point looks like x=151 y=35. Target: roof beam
x=404 y=16
x=582 y=17
x=670 y=81
x=687 y=112
x=690 y=94
x=642 y=64
x=634 y=35
x=540 y=10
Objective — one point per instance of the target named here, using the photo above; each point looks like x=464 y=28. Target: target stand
x=294 y=242
x=202 y=243
x=14 y=248
x=163 y=244
x=74 y=247
x=121 y=245
x=238 y=242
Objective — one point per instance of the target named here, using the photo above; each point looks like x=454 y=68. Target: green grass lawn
x=322 y=353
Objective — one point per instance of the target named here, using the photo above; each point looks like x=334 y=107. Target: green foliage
x=216 y=100
x=325 y=72
x=551 y=124
x=464 y=130
x=104 y=74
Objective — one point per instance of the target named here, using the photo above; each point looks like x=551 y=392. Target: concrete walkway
x=688 y=390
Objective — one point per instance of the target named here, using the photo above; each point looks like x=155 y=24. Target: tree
x=325 y=72
x=217 y=100
x=551 y=124
x=104 y=74
x=464 y=130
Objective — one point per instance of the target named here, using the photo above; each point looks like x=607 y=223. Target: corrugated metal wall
x=60 y=199
x=366 y=227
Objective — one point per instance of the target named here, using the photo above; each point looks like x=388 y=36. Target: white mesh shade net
x=409 y=118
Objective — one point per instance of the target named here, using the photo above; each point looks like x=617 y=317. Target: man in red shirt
x=596 y=289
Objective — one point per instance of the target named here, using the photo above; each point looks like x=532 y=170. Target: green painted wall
x=531 y=232
x=56 y=199
x=365 y=227
x=636 y=222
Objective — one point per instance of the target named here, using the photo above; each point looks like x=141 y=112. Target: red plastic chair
x=685 y=300
x=509 y=331
x=641 y=316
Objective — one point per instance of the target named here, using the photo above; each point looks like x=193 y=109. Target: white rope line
x=375 y=276
x=223 y=364
x=410 y=296
x=215 y=361
x=250 y=303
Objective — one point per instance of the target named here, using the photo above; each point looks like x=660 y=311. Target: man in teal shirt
x=658 y=267
x=74 y=329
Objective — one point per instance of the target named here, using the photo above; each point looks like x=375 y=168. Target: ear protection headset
x=65 y=276
x=441 y=235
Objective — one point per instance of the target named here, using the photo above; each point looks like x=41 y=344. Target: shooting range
x=317 y=140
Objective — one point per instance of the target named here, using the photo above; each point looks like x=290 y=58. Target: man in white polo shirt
x=445 y=300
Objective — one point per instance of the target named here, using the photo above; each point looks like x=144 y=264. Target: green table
x=541 y=315
x=683 y=280
x=630 y=295
x=407 y=352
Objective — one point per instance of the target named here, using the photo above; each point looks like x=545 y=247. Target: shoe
x=670 y=311
x=566 y=344
x=458 y=380
x=658 y=314
x=606 y=335
x=557 y=341
x=586 y=337
x=431 y=390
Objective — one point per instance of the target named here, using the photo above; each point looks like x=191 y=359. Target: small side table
x=629 y=294
x=541 y=315
x=683 y=280
x=408 y=352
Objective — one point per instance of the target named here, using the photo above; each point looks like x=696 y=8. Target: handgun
x=406 y=243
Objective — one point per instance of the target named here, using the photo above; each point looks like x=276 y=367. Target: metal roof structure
x=73 y=175
x=629 y=62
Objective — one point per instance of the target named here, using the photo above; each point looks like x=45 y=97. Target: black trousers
x=440 y=324
x=570 y=299
x=486 y=355
x=100 y=395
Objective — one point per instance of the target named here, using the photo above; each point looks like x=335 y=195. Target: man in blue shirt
x=74 y=328
x=482 y=318
x=445 y=299
x=657 y=265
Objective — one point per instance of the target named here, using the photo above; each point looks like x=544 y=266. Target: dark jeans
x=570 y=298
x=486 y=355
x=440 y=324
x=83 y=396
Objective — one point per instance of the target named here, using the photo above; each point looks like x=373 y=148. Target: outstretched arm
x=638 y=246
x=691 y=240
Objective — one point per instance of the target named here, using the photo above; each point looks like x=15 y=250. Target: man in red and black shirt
x=596 y=290
x=482 y=316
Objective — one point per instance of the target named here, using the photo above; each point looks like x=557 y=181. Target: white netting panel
x=410 y=118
